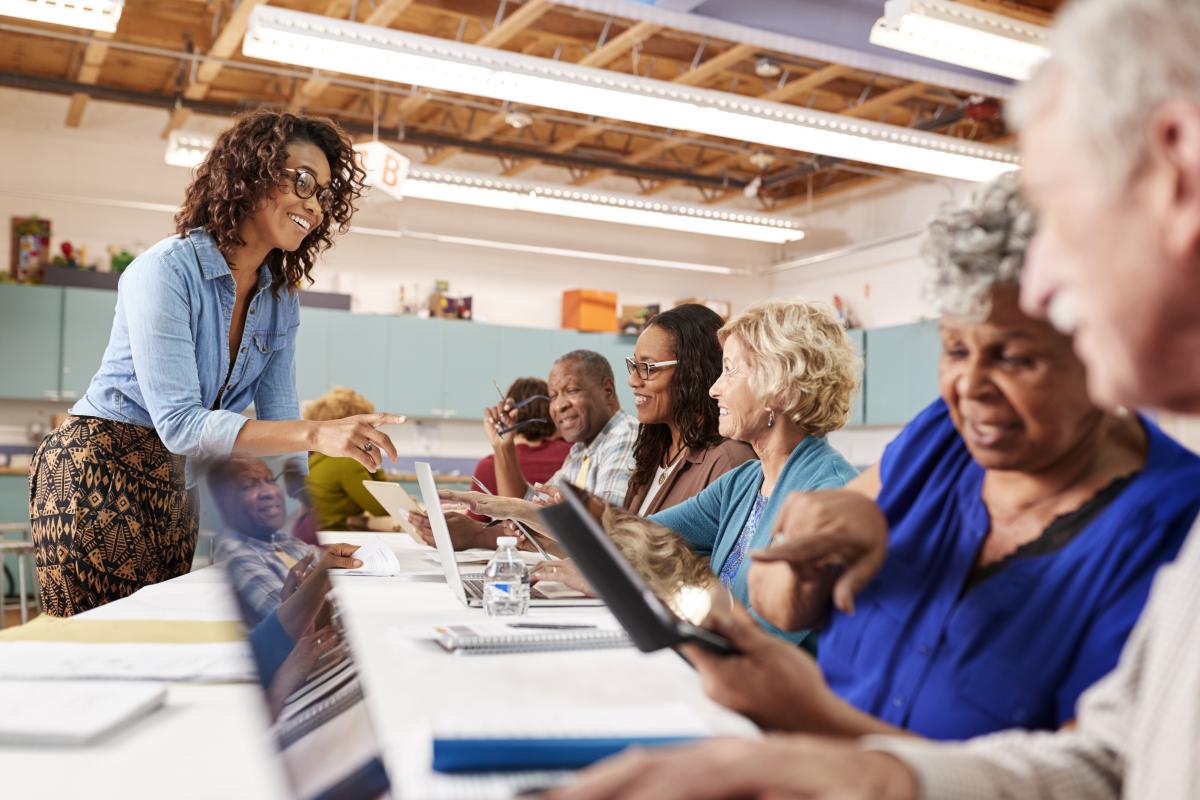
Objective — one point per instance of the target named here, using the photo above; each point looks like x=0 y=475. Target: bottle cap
x=506 y=541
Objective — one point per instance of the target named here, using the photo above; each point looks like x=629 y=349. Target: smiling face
x=283 y=219
x=742 y=415
x=251 y=501
x=1122 y=261
x=579 y=405
x=652 y=397
x=1016 y=393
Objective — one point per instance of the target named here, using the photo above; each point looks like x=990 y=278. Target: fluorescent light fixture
x=186 y=149
x=401 y=180
x=336 y=45
x=959 y=34
x=98 y=15
x=473 y=189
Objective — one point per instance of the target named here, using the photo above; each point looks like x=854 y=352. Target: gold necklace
x=663 y=477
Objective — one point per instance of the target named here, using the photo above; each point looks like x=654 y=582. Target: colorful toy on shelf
x=30 y=248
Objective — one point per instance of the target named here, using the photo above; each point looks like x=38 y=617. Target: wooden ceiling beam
x=512 y=26
x=620 y=45
x=497 y=122
x=885 y=102
x=222 y=48
x=89 y=72
x=716 y=65
x=312 y=88
x=809 y=83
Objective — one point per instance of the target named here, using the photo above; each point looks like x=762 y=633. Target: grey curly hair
x=973 y=247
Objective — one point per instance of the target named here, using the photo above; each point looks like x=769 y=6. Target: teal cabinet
x=524 y=353
x=415 y=366
x=30 y=341
x=472 y=352
x=312 y=352
x=857 y=405
x=902 y=371
x=86 y=328
x=14 y=507
x=358 y=355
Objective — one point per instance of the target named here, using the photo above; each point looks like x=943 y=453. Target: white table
x=210 y=740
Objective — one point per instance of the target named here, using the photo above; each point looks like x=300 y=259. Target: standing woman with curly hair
x=205 y=326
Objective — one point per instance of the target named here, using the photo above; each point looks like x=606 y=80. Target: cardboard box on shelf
x=720 y=306
x=589 y=310
x=633 y=318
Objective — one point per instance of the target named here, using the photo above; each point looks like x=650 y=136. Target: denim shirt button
x=243 y=349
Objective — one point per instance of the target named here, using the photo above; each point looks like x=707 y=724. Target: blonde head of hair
x=338 y=403
x=665 y=561
x=801 y=361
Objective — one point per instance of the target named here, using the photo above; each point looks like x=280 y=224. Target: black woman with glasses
x=205 y=326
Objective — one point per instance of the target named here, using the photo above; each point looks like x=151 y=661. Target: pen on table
x=549 y=626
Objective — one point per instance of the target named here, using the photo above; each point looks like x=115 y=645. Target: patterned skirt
x=110 y=513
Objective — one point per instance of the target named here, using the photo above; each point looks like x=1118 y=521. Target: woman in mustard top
x=335 y=485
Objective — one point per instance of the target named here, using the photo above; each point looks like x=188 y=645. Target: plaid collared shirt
x=606 y=464
x=1138 y=731
x=258 y=568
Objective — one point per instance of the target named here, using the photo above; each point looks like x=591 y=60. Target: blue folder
x=509 y=755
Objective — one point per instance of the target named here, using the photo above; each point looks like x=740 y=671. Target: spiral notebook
x=528 y=636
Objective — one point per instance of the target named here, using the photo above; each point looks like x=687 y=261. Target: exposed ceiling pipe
x=99 y=92
x=839 y=252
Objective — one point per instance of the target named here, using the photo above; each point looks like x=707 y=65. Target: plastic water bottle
x=506 y=581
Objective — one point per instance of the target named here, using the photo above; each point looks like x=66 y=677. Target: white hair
x=1113 y=64
x=977 y=245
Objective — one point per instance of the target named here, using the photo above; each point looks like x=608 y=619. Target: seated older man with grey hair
x=1111 y=142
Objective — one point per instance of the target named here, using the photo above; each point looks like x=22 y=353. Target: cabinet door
x=415 y=366
x=358 y=355
x=525 y=353
x=472 y=351
x=312 y=353
x=30 y=341
x=858 y=339
x=902 y=371
x=87 y=325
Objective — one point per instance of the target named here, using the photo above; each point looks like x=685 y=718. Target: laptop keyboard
x=473 y=583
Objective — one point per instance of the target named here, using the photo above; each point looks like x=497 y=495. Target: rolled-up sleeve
x=162 y=343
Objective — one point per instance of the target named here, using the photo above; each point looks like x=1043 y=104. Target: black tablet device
x=651 y=625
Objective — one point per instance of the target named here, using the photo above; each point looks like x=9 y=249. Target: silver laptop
x=469 y=588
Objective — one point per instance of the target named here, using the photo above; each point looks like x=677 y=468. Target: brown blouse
x=694 y=473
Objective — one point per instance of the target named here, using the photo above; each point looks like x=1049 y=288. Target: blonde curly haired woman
x=335 y=485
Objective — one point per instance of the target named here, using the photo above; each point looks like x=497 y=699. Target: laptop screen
x=319 y=721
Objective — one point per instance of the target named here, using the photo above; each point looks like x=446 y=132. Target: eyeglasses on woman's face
x=647 y=369
x=304 y=184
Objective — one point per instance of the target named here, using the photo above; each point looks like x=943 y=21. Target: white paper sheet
x=211 y=662
x=71 y=712
x=378 y=559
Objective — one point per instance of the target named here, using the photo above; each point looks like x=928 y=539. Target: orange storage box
x=590 y=310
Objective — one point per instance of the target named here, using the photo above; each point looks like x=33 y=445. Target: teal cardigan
x=712 y=520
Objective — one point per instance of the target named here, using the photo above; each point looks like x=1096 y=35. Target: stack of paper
x=73 y=712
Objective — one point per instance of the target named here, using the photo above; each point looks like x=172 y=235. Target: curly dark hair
x=694 y=328
x=247 y=163
x=524 y=388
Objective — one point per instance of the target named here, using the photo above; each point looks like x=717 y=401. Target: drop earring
x=770 y=418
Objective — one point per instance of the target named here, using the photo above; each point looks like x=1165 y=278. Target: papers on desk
x=377 y=557
x=524 y=635
x=480 y=555
x=210 y=662
x=38 y=713
x=520 y=737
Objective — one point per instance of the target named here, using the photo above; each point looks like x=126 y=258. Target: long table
x=210 y=740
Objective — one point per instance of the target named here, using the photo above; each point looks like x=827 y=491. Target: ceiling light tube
x=371 y=51
x=97 y=15
x=186 y=149
x=962 y=35
x=474 y=189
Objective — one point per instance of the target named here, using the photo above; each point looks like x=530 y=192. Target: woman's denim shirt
x=168 y=355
